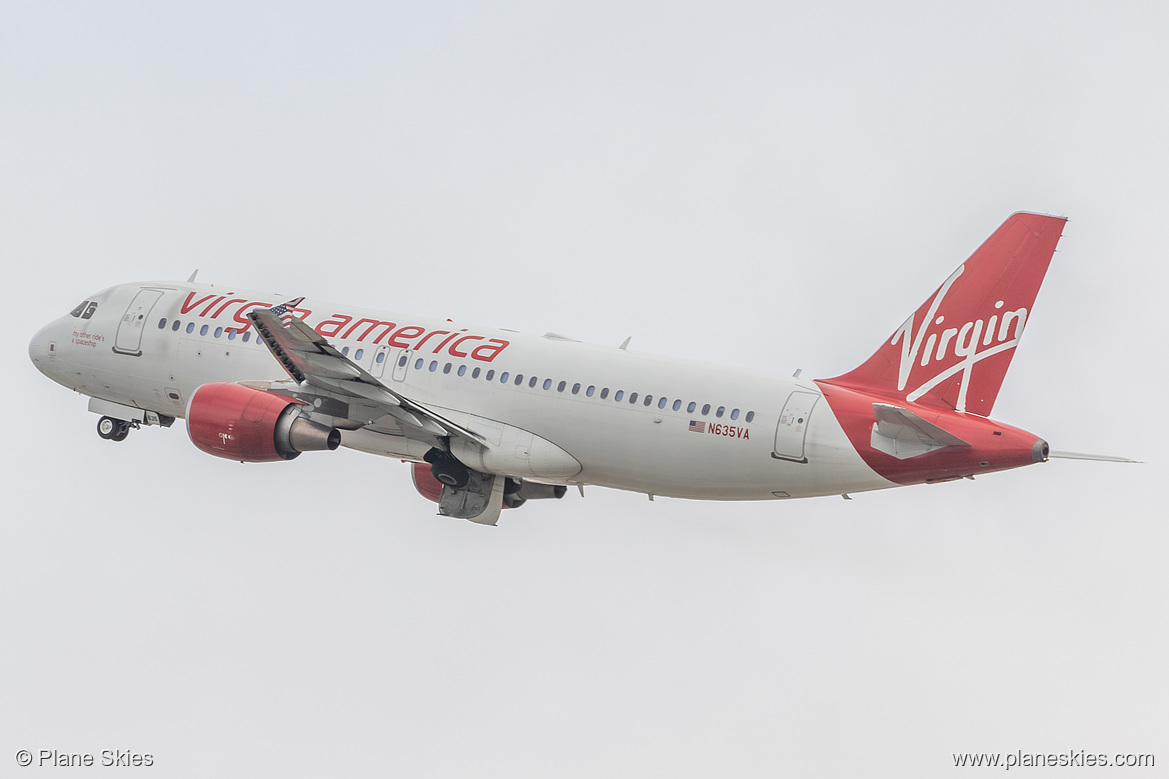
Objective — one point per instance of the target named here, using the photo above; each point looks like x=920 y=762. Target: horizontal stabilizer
x=1097 y=457
x=900 y=433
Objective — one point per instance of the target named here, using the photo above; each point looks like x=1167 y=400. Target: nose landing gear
x=113 y=429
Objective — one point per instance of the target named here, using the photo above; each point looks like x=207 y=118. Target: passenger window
x=690 y=407
x=734 y=413
x=547 y=384
x=490 y=375
x=433 y=366
x=248 y=337
x=560 y=387
x=447 y=368
x=175 y=325
x=519 y=379
x=705 y=409
x=402 y=361
x=532 y=382
x=618 y=395
x=190 y=327
x=162 y=324
x=231 y=334
x=475 y=373
x=418 y=364
x=203 y=330
x=632 y=397
x=381 y=357
x=750 y=416
x=462 y=370
x=604 y=393
x=358 y=354
x=720 y=411
x=218 y=331
x=345 y=350
x=590 y=390
x=677 y=405
x=662 y=402
x=576 y=389
x=503 y=377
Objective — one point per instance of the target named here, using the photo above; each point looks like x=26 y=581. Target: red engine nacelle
x=424 y=481
x=240 y=423
x=515 y=493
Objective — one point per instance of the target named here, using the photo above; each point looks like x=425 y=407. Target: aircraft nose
x=42 y=348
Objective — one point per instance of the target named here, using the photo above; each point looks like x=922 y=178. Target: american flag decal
x=697 y=427
x=284 y=310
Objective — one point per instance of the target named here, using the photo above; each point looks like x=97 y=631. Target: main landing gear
x=113 y=429
x=447 y=470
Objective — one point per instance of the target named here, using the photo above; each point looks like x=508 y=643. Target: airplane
x=492 y=418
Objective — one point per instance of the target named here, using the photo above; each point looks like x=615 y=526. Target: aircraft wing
x=349 y=393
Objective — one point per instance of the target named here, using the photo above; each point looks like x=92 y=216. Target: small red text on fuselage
x=731 y=431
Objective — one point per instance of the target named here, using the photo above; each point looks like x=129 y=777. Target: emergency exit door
x=402 y=365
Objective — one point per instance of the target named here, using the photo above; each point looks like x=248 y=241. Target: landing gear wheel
x=452 y=474
x=113 y=429
x=447 y=470
x=107 y=427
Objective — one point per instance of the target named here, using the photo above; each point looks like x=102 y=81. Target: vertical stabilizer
x=954 y=351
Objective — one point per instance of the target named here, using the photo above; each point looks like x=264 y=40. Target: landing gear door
x=402 y=364
x=129 y=337
x=793 y=426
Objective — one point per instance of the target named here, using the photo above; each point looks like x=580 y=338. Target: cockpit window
x=85 y=309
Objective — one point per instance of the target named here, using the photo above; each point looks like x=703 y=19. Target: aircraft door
x=793 y=426
x=402 y=364
x=378 y=369
x=129 y=337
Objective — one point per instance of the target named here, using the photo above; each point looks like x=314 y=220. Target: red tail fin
x=954 y=351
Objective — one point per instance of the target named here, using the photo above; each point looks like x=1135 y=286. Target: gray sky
x=765 y=184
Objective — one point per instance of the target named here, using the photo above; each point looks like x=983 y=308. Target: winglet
x=285 y=308
x=191 y=278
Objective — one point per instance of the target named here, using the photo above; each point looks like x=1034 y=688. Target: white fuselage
x=589 y=401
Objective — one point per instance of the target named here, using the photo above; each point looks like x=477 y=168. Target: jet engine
x=249 y=425
x=515 y=493
x=424 y=481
